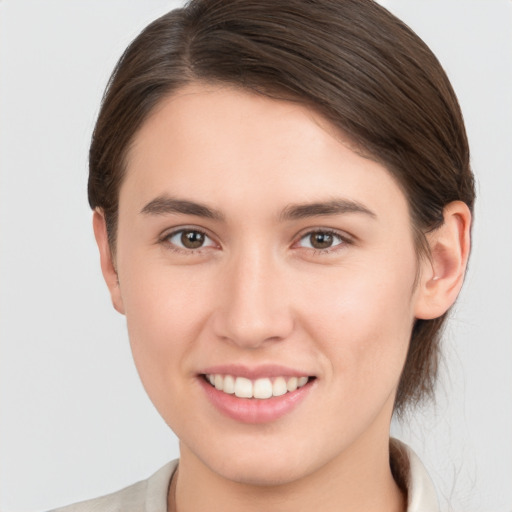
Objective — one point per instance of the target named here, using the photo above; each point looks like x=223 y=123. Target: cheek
x=165 y=313
x=363 y=319
x=164 y=317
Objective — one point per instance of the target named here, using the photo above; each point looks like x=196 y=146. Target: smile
x=260 y=394
x=260 y=389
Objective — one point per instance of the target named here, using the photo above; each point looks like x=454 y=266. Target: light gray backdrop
x=69 y=429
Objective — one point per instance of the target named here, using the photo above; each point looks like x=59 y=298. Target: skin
x=257 y=293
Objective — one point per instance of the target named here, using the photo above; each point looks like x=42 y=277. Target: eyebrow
x=332 y=207
x=163 y=205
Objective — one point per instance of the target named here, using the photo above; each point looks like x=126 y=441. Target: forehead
x=212 y=116
x=218 y=141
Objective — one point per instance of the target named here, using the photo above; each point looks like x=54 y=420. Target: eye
x=189 y=239
x=321 y=240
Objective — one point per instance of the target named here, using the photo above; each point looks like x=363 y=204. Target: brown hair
x=351 y=60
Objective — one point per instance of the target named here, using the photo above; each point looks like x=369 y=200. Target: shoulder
x=145 y=496
x=151 y=495
x=411 y=475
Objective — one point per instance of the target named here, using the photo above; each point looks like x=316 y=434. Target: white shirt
x=151 y=495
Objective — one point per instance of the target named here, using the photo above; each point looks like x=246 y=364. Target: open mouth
x=261 y=389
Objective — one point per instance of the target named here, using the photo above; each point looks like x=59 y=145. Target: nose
x=254 y=305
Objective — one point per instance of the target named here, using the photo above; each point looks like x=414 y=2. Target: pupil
x=192 y=239
x=321 y=240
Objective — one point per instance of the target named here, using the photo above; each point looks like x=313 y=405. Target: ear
x=108 y=267
x=442 y=276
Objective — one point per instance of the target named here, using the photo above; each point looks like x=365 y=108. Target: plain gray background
x=75 y=421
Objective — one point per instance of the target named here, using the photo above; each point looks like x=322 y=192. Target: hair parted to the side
x=351 y=60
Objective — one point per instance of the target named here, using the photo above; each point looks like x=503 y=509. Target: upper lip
x=254 y=372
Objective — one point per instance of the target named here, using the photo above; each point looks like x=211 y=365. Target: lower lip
x=254 y=410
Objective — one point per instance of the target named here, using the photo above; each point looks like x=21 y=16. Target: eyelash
x=166 y=241
x=343 y=239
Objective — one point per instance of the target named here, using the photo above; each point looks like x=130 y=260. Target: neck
x=357 y=480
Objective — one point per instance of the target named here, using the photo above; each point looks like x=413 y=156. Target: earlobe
x=443 y=274
x=107 y=260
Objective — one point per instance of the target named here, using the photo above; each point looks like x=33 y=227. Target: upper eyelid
x=346 y=241
x=343 y=235
x=179 y=250
x=166 y=233
x=347 y=237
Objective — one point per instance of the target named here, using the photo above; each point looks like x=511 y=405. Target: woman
x=282 y=203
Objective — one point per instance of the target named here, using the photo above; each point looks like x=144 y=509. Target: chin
x=269 y=471
x=261 y=462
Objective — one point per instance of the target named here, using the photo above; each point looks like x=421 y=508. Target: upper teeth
x=259 y=388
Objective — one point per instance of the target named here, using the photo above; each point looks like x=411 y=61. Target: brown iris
x=192 y=239
x=321 y=240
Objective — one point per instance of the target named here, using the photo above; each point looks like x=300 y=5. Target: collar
x=421 y=495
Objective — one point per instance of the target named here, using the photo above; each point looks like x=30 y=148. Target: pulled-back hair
x=351 y=60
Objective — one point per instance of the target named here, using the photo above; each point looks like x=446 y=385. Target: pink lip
x=253 y=410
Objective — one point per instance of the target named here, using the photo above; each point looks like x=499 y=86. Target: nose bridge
x=255 y=306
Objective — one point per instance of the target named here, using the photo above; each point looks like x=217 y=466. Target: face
x=257 y=251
